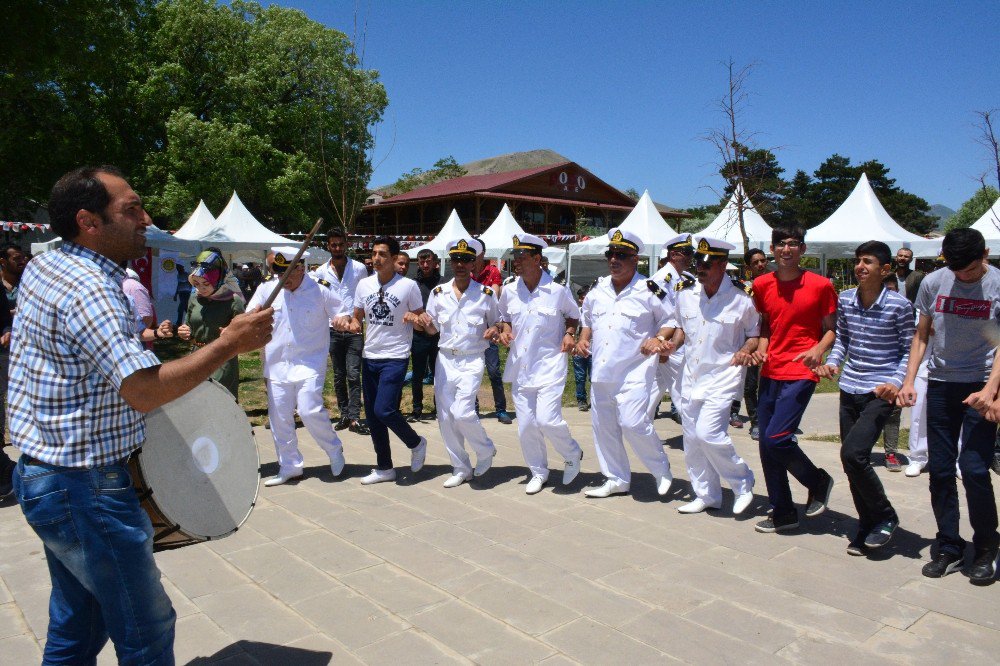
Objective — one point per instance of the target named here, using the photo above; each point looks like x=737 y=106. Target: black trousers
x=862 y=417
x=423 y=356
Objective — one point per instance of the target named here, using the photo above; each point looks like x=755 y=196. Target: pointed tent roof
x=498 y=238
x=989 y=224
x=860 y=218
x=159 y=239
x=200 y=224
x=726 y=225
x=238 y=230
x=452 y=229
x=644 y=221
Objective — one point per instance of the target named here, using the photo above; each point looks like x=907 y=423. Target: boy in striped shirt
x=874 y=332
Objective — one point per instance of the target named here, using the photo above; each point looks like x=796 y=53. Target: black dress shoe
x=414 y=417
x=359 y=428
x=343 y=424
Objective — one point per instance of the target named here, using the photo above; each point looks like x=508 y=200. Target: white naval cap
x=709 y=248
x=283 y=255
x=528 y=242
x=678 y=242
x=470 y=247
x=617 y=237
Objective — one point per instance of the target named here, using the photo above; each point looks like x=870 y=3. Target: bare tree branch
x=988 y=137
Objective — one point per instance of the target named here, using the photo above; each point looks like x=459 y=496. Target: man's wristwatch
x=661 y=338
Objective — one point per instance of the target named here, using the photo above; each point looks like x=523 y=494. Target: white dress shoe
x=483 y=464
x=417 y=455
x=609 y=488
x=281 y=479
x=534 y=486
x=455 y=480
x=571 y=469
x=742 y=502
x=697 y=506
x=914 y=469
x=663 y=485
x=337 y=462
x=379 y=476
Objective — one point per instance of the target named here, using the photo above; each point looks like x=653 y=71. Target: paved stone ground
x=332 y=572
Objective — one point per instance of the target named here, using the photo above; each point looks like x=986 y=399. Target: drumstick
x=292 y=265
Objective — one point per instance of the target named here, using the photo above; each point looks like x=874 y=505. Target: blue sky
x=627 y=88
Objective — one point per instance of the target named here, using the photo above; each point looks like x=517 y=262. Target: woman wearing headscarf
x=218 y=300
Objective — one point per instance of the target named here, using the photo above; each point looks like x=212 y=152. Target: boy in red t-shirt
x=798 y=321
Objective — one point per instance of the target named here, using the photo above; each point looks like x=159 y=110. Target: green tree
x=633 y=193
x=974 y=208
x=759 y=171
x=445 y=168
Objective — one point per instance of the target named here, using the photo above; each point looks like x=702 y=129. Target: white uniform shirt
x=668 y=278
x=463 y=322
x=538 y=319
x=301 y=339
x=619 y=324
x=714 y=329
x=354 y=272
x=387 y=335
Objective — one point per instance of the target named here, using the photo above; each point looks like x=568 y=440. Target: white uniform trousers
x=283 y=398
x=539 y=415
x=918 y=423
x=709 y=452
x=618 y=408
x=456 y=383
x=668 y=380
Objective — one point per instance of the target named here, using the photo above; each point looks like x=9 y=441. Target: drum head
x=200 y=461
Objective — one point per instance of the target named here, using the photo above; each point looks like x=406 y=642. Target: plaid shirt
x=72 y=346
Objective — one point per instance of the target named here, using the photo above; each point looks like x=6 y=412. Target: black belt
x=28 y=460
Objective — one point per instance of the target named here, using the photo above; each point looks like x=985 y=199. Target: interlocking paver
x=329 y=571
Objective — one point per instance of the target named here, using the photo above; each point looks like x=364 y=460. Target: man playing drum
x=80 y=383
x=295 y=362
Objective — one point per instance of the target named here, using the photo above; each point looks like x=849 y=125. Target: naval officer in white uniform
x=718 y=326
x=295 y=362
x=465 y=313
x=671 y=277
x=540 y=318
x=624 y=328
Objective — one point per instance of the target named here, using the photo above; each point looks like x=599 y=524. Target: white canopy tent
x=498 y=239
x=860 y=218
x=453 y=229
x=200 y=224
x=989 y=226
x=240 y=236
x=726 y=225
x=158 y=239
x=644 y=221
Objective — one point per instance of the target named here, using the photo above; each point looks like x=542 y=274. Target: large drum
x=197 y=473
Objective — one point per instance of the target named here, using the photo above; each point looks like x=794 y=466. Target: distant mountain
x=499 y=164
x=943 y=213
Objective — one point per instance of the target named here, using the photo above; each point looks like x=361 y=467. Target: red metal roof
x=469 y=184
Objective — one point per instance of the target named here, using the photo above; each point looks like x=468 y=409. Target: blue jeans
x=382 y=384
x=779 y=410
x=496 y=377
x=947 y=419
x=581 y=369
x=99 y=549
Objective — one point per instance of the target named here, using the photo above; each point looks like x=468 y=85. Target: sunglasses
x=461 y=260
x=523 y=253
x=617 y=254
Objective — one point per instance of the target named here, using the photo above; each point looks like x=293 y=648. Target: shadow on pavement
x=255 y=652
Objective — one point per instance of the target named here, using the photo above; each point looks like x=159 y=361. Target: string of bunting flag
x=364 y=242
x=18 y=227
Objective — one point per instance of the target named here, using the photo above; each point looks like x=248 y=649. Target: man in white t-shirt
x=461 y=310
x=391 y=303
x=295 y=362
x=539 y=325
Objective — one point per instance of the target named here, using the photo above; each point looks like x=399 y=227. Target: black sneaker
x=882 y=533
x=818 y=501
x=857 y=545
x=343 y=424
x=583 y=405
x=414 y=417
x=770 y=525
x=984 y=567
x=942 y=565
x=754 y=433
x=504 y=417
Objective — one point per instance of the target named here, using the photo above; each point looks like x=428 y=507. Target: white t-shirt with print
x=386 y=335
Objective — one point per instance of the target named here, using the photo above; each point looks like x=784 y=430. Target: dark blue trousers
x=382 y=385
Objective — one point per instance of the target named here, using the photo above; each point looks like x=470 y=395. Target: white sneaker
x=379 y=476
x=571 y=469
x=455 y=480
x=417 y=455
x=337 y=462
x=534 y=486
x=697 y=506
x=914 y=469
x=282 y=479
x=663 y=485
x=609 y=488
x=742 y=502
x=483 y=464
